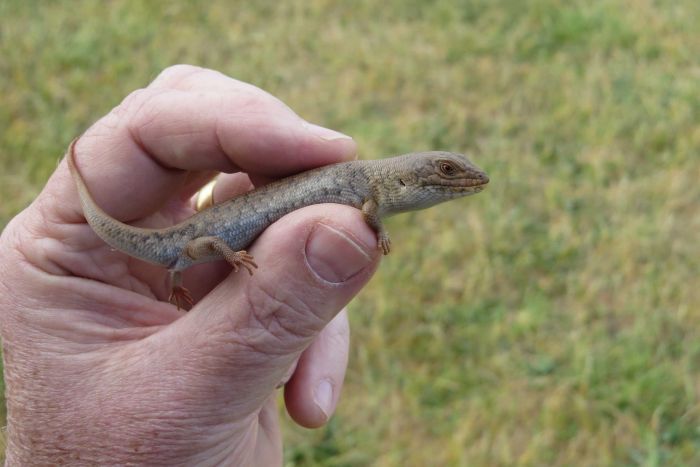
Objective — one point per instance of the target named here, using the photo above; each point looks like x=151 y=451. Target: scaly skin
x=379 y=188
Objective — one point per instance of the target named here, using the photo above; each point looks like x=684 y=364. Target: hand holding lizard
x=99 y=367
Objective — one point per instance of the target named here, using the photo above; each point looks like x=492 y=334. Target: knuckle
x=137 y=111
x=135 y=104
x=278 y=319
x=174 y=75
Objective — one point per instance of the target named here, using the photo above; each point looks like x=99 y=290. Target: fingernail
x=325 y=133
x=335 y=256
x=323 y=397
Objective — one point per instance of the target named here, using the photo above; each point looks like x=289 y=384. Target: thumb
x=247 y=332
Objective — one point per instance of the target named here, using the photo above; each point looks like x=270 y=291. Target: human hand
x=99 y=368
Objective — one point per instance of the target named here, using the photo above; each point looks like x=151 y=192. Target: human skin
x=100 y=368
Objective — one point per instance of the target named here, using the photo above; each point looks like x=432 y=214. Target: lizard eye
x=447 y=168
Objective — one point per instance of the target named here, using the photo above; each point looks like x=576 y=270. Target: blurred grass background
x=553 y=319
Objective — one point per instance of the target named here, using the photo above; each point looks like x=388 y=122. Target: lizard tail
x=127 y=238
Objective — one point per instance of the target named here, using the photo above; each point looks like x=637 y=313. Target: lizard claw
x=180 y=296
x=384 y=243
x=242 y=258
x=208 y=245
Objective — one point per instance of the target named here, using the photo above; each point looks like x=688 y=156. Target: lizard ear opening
x=402 y=183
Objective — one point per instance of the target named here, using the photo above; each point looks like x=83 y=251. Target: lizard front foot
x=383 y=242
x=370 y=212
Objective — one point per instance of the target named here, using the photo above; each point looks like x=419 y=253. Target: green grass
x=553 y=319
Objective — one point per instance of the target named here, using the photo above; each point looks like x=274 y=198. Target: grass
x=553 y=319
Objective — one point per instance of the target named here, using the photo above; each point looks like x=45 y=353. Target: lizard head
x=429 y=178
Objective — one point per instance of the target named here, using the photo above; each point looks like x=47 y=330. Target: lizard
x=378 y=188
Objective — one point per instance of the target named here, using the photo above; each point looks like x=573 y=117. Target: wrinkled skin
x=100 y=368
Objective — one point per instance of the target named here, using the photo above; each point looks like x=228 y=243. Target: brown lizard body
x=378 y=187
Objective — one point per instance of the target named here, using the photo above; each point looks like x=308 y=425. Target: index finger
x=252 y=128
x=196 y=119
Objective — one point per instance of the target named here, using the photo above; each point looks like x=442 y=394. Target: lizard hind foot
x=205 y=246
x=242 y=259
x=180 y=296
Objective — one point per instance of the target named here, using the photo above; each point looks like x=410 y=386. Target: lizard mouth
x=473 y=184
